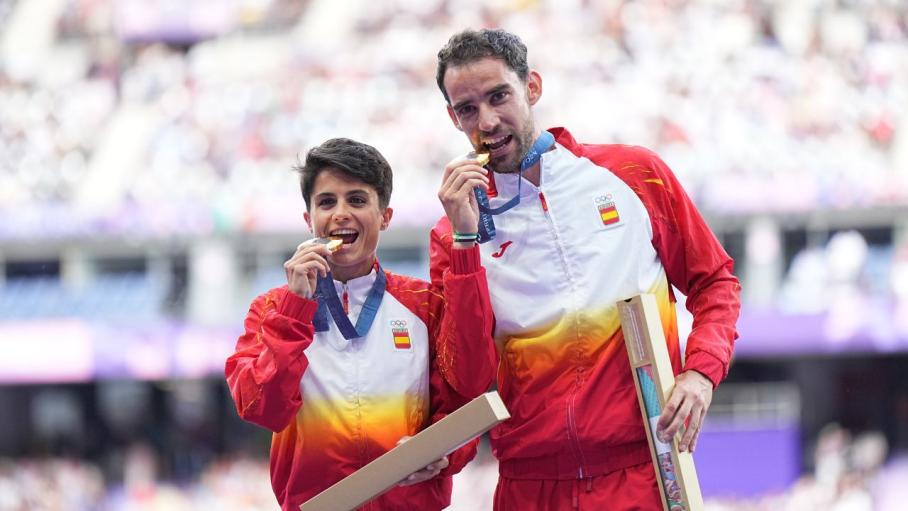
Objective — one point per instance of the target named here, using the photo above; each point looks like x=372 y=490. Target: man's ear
x=386 y=218
x=453 y=117
x=308 y=221
x=534 y=87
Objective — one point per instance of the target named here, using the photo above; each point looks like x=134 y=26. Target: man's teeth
x=492 y=143
x=341 y=232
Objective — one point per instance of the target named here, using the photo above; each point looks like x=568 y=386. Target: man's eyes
x=496 y=98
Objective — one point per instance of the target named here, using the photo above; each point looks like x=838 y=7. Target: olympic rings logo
x=604 y=199
x=398 y=323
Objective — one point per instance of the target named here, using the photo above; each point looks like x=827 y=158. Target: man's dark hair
x=472 y=45
x=354 y=159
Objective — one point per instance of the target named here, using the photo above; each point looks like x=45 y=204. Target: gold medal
x=332 y=243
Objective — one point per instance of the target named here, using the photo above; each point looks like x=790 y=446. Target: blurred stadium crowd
x=117 y=117
x=168 y=127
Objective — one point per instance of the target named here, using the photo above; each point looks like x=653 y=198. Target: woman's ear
x=386 y=218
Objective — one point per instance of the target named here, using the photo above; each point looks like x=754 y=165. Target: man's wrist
x=464 y=239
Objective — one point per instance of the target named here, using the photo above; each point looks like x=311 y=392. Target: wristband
x=465 y=237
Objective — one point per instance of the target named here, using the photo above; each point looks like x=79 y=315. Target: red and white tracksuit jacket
x=336 y=404
x=607 y=222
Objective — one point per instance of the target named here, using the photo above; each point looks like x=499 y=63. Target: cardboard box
x=430 y=444
x=654 y=380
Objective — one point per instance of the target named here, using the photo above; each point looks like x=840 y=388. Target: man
x=347 y=359
x=584 y=226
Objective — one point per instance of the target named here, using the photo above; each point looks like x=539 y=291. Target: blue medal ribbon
x=328 y=301
x=486 y=224
x=541 y=145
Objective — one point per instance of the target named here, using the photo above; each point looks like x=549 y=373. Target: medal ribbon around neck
x=328 y=301
x=541 y=145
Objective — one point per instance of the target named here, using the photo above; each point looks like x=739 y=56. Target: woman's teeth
x=348 y=236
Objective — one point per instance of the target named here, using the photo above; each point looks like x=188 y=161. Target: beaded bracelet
x=465 y=237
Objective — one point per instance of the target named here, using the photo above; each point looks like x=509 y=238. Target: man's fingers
x=677 y=421
x=455 y=182
x=461 y=168
x=688 y=403
x=669 y=412
x=692 y=432
x=689 y=433
x=693 y=442
x=450 y=168
x=466 y=188
x=468 y=159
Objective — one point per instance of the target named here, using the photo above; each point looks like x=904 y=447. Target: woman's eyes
x=355 y=200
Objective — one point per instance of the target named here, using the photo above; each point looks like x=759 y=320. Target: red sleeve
x=440 y=240
x=445 y=400
x=696 y=264
x=264 y=372
x=465 y=349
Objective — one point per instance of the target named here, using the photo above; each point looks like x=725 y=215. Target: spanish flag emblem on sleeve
x=401 y=334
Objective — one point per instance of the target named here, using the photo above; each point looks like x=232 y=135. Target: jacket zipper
x=561 y=252
x=572 y=431
x=571 y=422
x=345 y=299
x=356 y=387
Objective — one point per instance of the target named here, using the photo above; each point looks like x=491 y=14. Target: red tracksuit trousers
x=631 y=489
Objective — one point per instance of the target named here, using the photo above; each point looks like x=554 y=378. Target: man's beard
x=512 y=164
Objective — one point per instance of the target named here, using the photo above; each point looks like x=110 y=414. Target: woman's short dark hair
x=472 y=45
x=354 y=159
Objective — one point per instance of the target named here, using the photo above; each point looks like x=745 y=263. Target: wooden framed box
x=654 y=380
x=430 y=444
